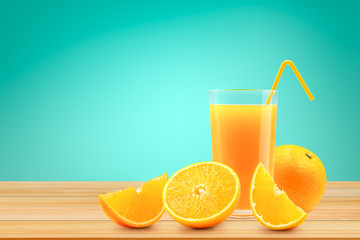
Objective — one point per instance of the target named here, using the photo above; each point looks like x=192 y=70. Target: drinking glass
x=243 y=130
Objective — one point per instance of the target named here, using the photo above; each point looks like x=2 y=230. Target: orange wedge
x=135 y=208
x=271 y=206
x=202 y=195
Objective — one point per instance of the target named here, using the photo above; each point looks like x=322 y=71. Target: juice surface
x=243 y=135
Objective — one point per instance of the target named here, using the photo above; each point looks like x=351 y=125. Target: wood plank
x=170 y=229
x=70 y=210
x=347 y=193
x=119 y=184
x=86 y=189
x=88 y=208
x=67 y=184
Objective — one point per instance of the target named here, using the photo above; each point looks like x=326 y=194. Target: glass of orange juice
x=243 y=130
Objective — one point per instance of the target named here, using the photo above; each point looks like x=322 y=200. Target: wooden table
x=59 y=210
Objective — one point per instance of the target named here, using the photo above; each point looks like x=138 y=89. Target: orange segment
x=135 y=208
x=271 y=206
x=202 y=195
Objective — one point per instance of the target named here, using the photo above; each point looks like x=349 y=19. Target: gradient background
x=118 y=90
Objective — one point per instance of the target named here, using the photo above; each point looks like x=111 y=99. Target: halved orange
x=271 y=206
x=202 y=195
x=136 y=208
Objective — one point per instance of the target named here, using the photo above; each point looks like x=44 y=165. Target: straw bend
x=297 y=74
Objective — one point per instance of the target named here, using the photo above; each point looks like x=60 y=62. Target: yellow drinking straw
x=278 y=76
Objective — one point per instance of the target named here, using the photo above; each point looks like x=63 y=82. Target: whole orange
x=301 y=174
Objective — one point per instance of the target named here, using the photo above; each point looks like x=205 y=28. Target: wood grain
x=59 y=210
x=171 y=229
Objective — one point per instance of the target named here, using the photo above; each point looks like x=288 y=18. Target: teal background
x=118 y=90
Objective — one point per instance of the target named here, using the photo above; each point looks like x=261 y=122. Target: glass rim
x=241 y=90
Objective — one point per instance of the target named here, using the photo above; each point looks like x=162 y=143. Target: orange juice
x=243 y=135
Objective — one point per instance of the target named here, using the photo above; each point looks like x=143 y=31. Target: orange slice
x=271 y=206
x=135 y=208
x=202 y=195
